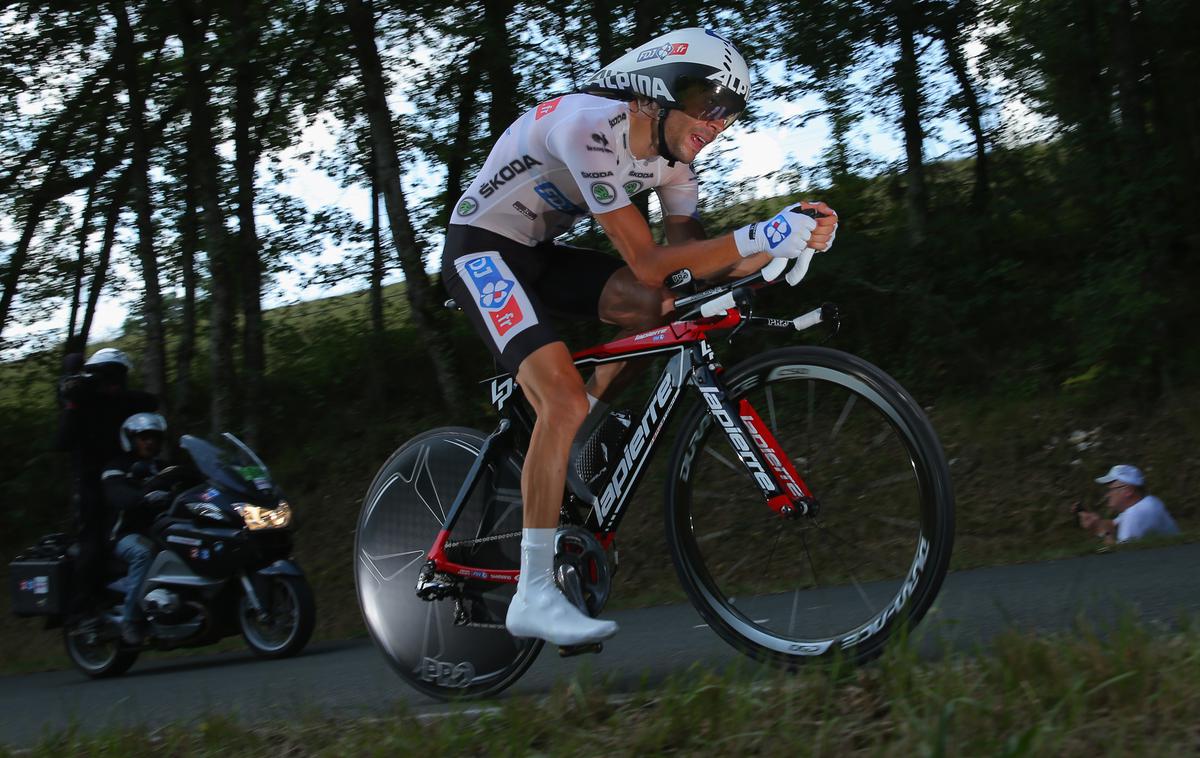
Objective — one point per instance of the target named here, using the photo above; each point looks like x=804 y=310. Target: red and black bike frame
x=691 y=363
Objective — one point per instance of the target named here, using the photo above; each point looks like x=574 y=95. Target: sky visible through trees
x=199 y=160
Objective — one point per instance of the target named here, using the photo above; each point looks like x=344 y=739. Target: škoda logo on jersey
x=495 y=294
x=508 y=173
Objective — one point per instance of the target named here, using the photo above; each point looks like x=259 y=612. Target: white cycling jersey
x=564 y=159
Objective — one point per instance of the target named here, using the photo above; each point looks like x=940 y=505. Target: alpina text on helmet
x=650 y=86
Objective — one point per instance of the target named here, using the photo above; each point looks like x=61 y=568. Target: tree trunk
x=376 y=368
x=1129 y=69
x=100 y=273
x=456 y=160
x=85 y=231
x=189 y=235
x=602 y=18
x=154 y=364
x=952 y=41
x=376 y=255
x=501 y=69
x=908 y=84
x=222 y=282
x=387 y=167
x=16 y=262
x=246 y=18
x=645 y=23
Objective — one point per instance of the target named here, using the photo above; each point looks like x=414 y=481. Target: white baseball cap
x=1125 y=474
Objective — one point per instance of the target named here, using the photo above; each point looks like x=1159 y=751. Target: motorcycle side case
x=40 y=586
x=212 y=552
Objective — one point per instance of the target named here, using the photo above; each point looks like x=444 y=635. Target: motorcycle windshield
x=231 y=466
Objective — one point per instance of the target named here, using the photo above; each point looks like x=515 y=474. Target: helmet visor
x=706 y=100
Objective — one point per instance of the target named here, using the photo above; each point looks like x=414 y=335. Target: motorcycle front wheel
x=287 y=622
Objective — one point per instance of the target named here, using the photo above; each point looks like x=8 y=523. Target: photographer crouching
x=95 y=400
x=1136 y=513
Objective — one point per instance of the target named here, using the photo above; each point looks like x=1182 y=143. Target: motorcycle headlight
x=257 y=517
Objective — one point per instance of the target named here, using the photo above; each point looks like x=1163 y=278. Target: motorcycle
x=223 y=566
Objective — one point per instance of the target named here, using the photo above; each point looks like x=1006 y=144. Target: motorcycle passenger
x=124 y=481
x=94 y=402
x=638 y=124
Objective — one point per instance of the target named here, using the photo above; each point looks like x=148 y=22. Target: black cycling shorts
x=508 y=289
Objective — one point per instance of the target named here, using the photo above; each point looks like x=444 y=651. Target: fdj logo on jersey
x=556 y=199
x=670 y=48
x=494 y=293
x=777 y=231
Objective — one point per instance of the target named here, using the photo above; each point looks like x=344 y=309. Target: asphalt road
x=1158 y=586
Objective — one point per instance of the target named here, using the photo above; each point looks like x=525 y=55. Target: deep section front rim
x=872 y=558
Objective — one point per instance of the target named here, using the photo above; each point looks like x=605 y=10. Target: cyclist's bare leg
x=635 y=307
x=554 y=387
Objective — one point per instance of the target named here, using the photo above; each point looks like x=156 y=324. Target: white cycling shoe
x=540 y=609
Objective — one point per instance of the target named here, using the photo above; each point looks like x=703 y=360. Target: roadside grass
x=1130 y=691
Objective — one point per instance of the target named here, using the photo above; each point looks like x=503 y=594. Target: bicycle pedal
x=567 y=651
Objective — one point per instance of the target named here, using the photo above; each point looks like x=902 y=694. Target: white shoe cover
x=540 y=609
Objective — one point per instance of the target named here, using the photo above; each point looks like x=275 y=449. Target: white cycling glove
x=785 y=236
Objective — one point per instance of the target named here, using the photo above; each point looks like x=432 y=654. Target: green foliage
x=1128 y=691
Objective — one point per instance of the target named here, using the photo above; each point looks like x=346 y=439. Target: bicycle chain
x=493 y=538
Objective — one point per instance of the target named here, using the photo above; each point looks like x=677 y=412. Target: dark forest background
x=1048 y=259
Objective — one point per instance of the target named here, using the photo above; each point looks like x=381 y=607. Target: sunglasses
x=706 y=100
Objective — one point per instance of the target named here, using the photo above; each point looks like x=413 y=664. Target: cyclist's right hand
x=784 y=236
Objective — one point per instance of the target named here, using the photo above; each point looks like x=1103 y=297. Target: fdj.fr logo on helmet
x=670 y=48
x=493 y=288
x=777 y=230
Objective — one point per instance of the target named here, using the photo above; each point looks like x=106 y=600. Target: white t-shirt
x=564 y=159
x=1146 y=516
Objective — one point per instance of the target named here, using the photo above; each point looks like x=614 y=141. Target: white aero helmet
x=138 y=423
x=693 y=70
x=109 y=356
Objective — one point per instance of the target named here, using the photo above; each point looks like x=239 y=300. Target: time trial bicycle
x=809 y=510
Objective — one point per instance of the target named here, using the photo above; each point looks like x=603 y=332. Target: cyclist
x=637 y=124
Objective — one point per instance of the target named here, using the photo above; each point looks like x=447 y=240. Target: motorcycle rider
x=637 y=124
x=94 y=402
x=124 y=480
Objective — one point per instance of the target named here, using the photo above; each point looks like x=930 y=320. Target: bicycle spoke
x=824 y=530
x=724 y=460
x=837 y=427
x=771 y=409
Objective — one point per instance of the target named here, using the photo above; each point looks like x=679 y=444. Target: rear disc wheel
x=402 y=514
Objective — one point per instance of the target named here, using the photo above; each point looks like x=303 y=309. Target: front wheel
x=868 y=562
x=289 y=615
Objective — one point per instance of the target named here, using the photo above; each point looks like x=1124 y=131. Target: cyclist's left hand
x=827 y=223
